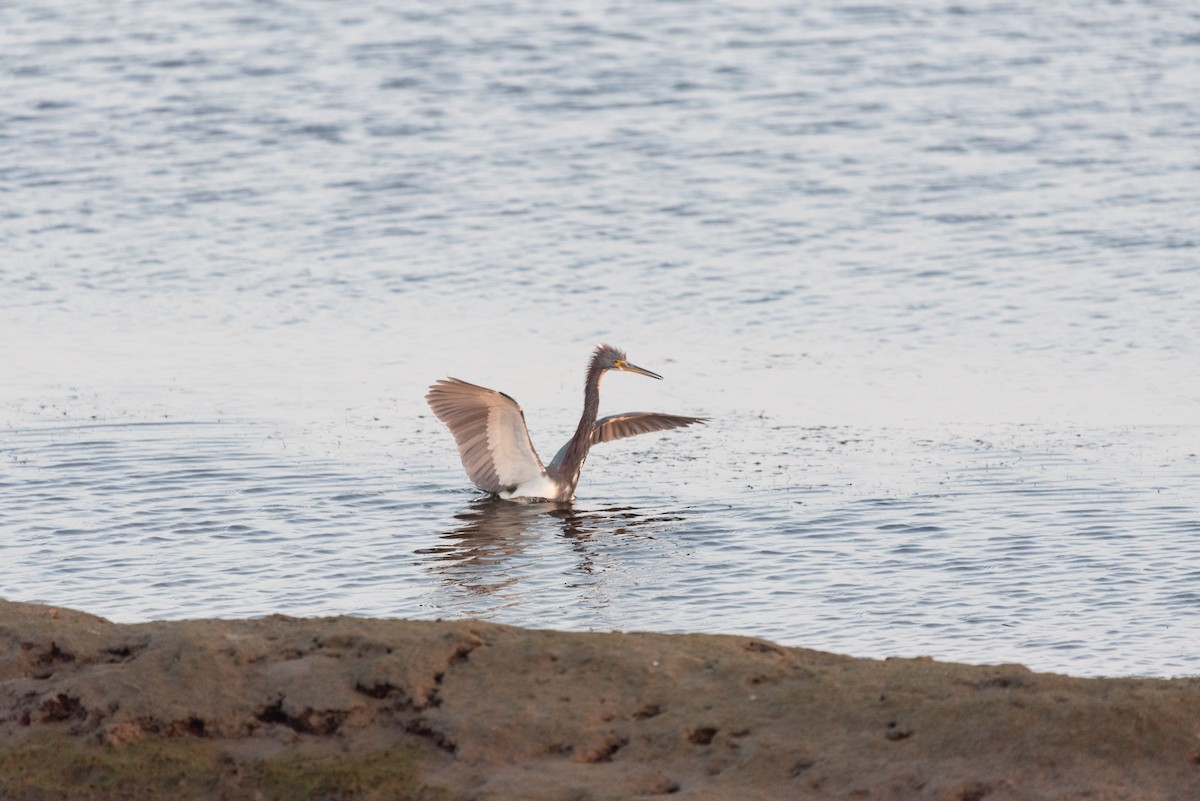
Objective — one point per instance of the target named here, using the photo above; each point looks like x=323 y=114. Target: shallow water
x=933 y=273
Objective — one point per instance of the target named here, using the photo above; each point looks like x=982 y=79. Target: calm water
x=933 y=272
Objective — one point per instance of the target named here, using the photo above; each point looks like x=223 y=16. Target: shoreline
x=345 y=707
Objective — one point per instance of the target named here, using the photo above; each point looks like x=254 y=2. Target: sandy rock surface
x=496 y=712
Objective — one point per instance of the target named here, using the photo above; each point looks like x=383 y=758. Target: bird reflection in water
x=484 y=553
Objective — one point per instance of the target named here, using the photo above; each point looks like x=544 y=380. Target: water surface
x=932 y=271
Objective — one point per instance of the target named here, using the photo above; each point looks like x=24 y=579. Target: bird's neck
x=581 y=442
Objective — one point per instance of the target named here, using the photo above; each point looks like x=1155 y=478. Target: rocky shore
x=351 y=708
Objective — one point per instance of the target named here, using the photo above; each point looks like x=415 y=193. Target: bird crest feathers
x=606 y=355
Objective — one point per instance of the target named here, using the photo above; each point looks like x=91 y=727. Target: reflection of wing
x=489 y=428
x=630 y=424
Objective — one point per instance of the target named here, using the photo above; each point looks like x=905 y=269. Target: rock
x=479 y=710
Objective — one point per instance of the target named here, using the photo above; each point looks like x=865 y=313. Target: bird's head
x=607 y=358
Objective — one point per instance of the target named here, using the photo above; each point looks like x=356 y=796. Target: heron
x=493 y=442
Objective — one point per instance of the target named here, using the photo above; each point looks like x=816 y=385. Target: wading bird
x=494 y=443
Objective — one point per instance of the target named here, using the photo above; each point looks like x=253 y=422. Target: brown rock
x=496 y=712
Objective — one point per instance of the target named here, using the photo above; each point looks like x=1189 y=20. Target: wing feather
x=630 y=424
x=489 y=428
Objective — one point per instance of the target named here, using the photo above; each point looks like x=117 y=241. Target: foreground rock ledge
x=475 y=710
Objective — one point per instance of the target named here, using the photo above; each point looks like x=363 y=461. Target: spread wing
x=630 y=424
x=489 y=428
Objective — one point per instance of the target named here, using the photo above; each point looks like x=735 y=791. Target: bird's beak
x=633 y=368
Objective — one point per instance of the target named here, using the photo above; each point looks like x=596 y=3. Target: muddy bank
x=353 y=708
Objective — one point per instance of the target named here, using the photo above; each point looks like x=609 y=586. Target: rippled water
x=932 y=271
